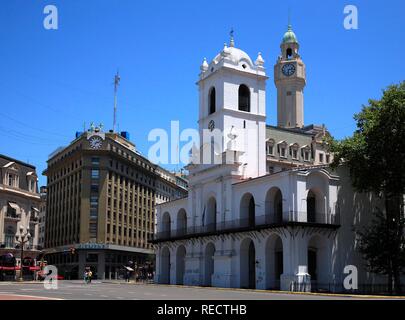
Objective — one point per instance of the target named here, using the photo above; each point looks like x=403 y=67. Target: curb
x=341 y=295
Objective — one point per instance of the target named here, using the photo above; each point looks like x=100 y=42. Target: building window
x=95 y=161
x=321 y=157
x=212 y=102
x=31 y=185
x=306 y=155
x=327 y=158
x=244 y=98
x=270 y=149
x=11 y=180
x=282 y=152
x=94 y=188
x=295 y=154
x=95 y=174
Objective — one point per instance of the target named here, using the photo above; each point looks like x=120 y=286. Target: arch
x=315 y=206
x=180 y=264
x=165 y=266
x=247 y=264
x=247 y=210
x=274 y=261
x=288 y=53
x=211 y=215
x=209 y=263
x=166 y=225
x=274 y=206
x=319 y=260
x=244 y=98
x=181 y=222
x=212 y=101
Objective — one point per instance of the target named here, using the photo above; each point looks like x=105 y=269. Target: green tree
x=375 y=155
x=376 y=243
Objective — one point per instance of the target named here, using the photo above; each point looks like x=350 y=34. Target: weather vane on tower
x=232 y=42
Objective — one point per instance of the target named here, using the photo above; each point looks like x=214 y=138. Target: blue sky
x=54 y=81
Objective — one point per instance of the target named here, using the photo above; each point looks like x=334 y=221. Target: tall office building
x=101 y=196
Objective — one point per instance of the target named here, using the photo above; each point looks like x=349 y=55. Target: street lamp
x=22 y=238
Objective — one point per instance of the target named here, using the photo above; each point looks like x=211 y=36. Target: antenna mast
x=116 y=83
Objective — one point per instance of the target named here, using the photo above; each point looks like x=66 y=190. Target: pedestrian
x=90 y=274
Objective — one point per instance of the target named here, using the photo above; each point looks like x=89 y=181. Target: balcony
x=12 y=217
x=289 y=219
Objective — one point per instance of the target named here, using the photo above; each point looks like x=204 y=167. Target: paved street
x=77 y=290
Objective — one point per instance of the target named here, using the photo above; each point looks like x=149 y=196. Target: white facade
x=240 y=227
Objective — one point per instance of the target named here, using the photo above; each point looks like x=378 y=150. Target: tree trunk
x=390 y=278
x=393 y=206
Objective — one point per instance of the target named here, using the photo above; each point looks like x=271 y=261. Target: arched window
x=311 y=207
x=247 y=210
x=212 y=104
x=289 y=53
x=211 y=218
x=181 y=223
x=244 y=98
x=166 y=225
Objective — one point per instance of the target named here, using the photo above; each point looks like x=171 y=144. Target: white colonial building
x=266 y=212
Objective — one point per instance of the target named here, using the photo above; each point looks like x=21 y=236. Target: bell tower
x=290 y=79
x=232 y=92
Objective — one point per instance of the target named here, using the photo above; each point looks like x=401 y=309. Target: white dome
x=234 y=54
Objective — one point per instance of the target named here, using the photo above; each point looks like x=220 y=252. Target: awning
x=9 y=268
x=14 y=206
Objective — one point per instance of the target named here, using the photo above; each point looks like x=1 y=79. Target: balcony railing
x=259 y=222
x=12 y=216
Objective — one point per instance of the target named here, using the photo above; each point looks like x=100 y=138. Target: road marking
x=32 y=297
x=29 y=289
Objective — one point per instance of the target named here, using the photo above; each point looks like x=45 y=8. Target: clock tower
x=289 y=77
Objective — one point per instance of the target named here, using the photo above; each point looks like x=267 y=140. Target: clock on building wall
x=95 y=142
x=211 y=125
x=288 y=69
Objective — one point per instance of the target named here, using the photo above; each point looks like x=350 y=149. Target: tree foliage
x=375 y=153
x=376 y=243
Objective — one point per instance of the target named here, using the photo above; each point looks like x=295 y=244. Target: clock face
x=288 y=69
x=211 y=125
x=95 y=142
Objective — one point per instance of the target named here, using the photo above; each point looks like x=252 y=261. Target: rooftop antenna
x=289 y=16
x=116 y=83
